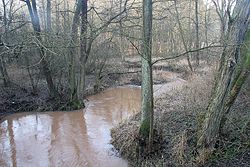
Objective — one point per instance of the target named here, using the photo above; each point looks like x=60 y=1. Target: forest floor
x=178 y=115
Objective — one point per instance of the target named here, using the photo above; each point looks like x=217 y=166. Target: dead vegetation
x=178 y=117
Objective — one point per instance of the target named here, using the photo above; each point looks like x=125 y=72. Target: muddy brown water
x=68 y=139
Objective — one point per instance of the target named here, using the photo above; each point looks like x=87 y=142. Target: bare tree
x=223 y=10
x=73 y=52
x=182 y=35
x=3 y=68
x=44 y=64
x=233 y=71
x=146 y=127
x=83 y=46
x=197 y=43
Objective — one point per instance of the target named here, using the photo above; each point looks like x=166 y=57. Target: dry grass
x=179 y=116
x=127 y=138
x=175 y=117
x=180 y=147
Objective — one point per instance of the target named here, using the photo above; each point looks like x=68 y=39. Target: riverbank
x=179 y=105
x=21 y=98
x=177 y=120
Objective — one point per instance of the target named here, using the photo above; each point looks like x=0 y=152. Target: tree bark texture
x=48 y=18
x=83 y=46
x=73 y=52
x=146 y=128
x=197 y=43
x=231 y=75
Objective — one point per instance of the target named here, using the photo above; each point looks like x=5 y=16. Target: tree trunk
x=48 y=18
x=83 y=47
x=121 y=47
x=27 y=62
x=44 y=64
x=182 y=36
x=57 y=16
x=232 y=74
x=197 y=43
x=73 y=53
x=4 y=73
x=146 y=127
x=3 y=68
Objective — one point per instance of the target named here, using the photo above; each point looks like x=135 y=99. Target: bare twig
x=189 y=51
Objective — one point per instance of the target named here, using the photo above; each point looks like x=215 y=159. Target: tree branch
x=189 y=51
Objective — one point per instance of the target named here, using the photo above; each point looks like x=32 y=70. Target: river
x=72 y=139
x=68 y=139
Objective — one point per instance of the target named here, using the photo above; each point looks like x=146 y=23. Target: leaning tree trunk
x=146 y=127
x=233 y=72
x=44 y=64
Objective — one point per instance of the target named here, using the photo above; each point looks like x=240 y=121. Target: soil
x=14 y=99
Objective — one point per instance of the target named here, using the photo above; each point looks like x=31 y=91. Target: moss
x=145 y=128
x=248 y=59
x=200 y=120
x=247 y=50
x=242 y=70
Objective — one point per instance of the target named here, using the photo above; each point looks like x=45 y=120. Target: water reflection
x=74 y=139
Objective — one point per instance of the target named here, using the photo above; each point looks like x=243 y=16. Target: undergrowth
x=178 y=117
